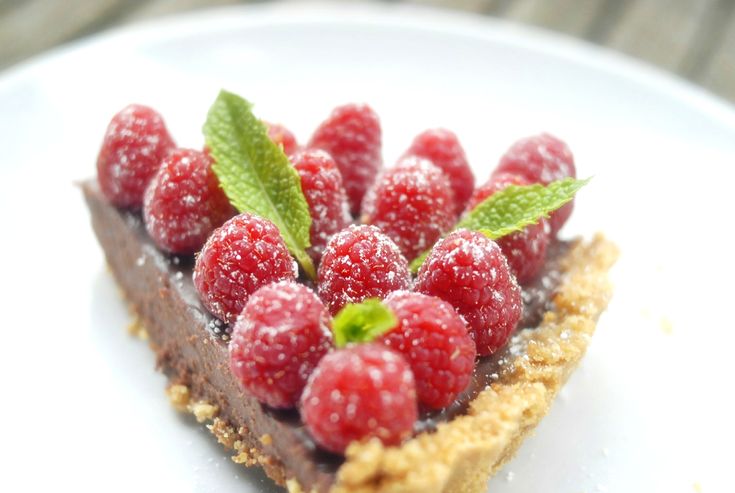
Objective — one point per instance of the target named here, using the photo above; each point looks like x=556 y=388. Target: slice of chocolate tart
x=454 y=450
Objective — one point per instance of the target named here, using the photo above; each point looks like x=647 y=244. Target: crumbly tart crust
x=460 y=455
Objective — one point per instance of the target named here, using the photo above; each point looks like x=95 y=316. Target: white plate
x=649 y=409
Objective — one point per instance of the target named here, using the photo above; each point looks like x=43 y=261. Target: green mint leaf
x=362 y=322
x=418 y=262
x=255 y=173
x=514 y=208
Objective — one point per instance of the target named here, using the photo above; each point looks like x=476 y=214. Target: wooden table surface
x=692 y=38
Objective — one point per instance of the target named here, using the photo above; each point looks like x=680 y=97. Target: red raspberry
x=135 y=143
x=351 y=135
x=360 y=392
x=469 y=271
x=283 y=136
x=442 y=148
x=412 y=203
x=184 y=202
x=541 y=159
x=434 y=340
x=240 y=256
x=525 y=250
x=278 y=340
x=321 y=183
x=360 y=262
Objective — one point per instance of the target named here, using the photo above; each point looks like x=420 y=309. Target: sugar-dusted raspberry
x=352 y=136
x=135 y=143
x=321 y=183
x=277 y=341
x=541 y=159
x=360 y=392
x=412 y=203
x=184 y=203
x=434 y=340
x=469 y=271
x=283 y=136
x=525 y=250
x=358 y=263
x=239 y=257
x=442 y=148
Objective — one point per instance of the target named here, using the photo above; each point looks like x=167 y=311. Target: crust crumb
x=243 y=458
x=180 y=399
x=178 y=395
x=203 y=411
x=293 y=486
x=225 y=434
x=136 y=329
x=265 y=460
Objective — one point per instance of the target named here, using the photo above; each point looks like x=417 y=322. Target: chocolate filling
x=191 y=345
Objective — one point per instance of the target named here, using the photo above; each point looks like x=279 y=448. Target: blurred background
x=692 y=38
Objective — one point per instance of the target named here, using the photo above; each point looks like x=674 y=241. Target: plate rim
x=417 y=17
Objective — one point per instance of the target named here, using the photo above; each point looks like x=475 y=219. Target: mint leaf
x=255 y=173
x=362 y=322
x=514 y=208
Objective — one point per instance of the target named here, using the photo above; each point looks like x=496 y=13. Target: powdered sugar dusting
x=352 y=136
x=135 y=142
x=468 y=270
x=184 y=202
x=442 y=148
x=360 y=262
x=277 y=340
x=321 y=182
x=541 y=159
x=412 y=203
x=245 y=253
x=359 y=392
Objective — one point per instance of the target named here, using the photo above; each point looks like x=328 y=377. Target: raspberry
x=242 y=255
x=278 y=340
x=351 y=135
x=358 y=263
x=541 y=159
x=469 y=271
x=412 y=203
x=283 y=136
x=442 y=148
x=135 y=143
x=434 y=340
x=525 y=250
x=184 y=203
x=321 y=183
x=360 y=392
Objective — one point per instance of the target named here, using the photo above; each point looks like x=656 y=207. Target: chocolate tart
x=455 y=450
